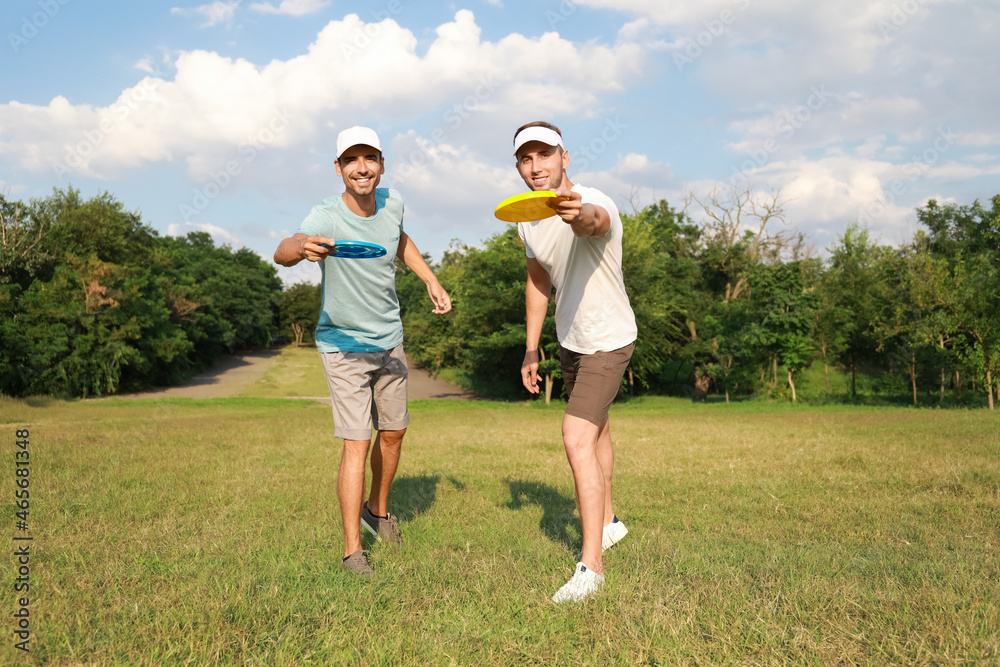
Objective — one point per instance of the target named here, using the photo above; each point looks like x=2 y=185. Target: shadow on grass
x=558 y=510
x=410 y=496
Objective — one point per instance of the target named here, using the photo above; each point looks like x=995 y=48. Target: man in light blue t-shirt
x=360 y=335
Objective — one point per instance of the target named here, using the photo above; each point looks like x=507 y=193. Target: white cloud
x=145 y=65
x=635 y=181
x=210 y=14
x=897 y=65
x=215 y=105
x=449 y=190
x=824 y=195
x=291 y=7
x=303 y=272
x=7 y=189
x=958 y=171
x=872 y=146
x=219 y=235
x=979 y=139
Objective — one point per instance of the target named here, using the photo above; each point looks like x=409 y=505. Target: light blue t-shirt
x=360 y=311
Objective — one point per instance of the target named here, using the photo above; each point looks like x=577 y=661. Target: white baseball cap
x=353 y=136
x=536 y=133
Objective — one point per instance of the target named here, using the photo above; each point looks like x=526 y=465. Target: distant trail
x=227 y=378
x=421 y=385
x=232 y=375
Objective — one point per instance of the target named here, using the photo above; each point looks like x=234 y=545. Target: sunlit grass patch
x=208 y=531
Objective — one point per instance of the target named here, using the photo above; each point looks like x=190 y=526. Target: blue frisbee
x=355 y=250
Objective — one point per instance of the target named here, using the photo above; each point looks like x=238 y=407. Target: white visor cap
x=353 y=136
x=536 y=133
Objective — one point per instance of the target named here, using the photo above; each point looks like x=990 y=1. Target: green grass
x=296 y=372
x=207 y=532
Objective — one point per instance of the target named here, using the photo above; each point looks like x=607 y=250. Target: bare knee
x=391 y=439
x=579 y=438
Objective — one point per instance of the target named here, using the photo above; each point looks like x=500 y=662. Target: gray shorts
x=592 y=381
x=368 y=390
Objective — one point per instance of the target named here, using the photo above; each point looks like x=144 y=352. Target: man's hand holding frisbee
x=585 y=219
x=316 y=248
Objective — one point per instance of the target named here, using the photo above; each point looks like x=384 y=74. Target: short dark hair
x=538 y=123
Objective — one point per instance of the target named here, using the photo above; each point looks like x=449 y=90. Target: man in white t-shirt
x=579 y=252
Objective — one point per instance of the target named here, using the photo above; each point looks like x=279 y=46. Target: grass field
x=207 y=532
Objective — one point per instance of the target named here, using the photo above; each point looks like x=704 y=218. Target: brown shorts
x=368 y=390
x=592 y=381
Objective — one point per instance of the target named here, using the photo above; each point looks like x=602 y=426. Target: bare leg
x=385 y=459
x=580 y=439
x=351 y=490
x=606 y=455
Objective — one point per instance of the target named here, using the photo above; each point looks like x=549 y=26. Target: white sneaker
x=613 y=533
x=583 y=583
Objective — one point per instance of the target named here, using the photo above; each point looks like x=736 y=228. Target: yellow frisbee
x=527 y=207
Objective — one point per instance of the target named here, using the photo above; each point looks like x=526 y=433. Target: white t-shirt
x=592 y=308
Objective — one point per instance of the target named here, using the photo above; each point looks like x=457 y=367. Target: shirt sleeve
x=527 y=248
x=316 y=223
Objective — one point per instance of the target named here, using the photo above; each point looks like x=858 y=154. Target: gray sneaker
x=357 y=563
x=386 y=529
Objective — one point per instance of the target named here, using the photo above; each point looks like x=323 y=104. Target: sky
x=223 y=117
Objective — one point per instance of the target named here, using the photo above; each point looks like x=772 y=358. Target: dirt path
x=421 y=385
x=232 y=375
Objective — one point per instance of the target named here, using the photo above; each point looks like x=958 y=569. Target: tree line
x=740 y=306
x=94 y=301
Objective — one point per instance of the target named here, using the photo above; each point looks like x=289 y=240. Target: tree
x=736 y=236
x=299 y=308
x=22 y=232
x=92 y=299
x=660 y=273
x=484 y=335
x=853 y=282
x=783 y=304
x=832 y=323
x=973 y=304
x=967 y=238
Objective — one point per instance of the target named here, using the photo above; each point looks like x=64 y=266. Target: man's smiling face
x=361 y=167
x=542 y=166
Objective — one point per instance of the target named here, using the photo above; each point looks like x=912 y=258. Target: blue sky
x=223 y=116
